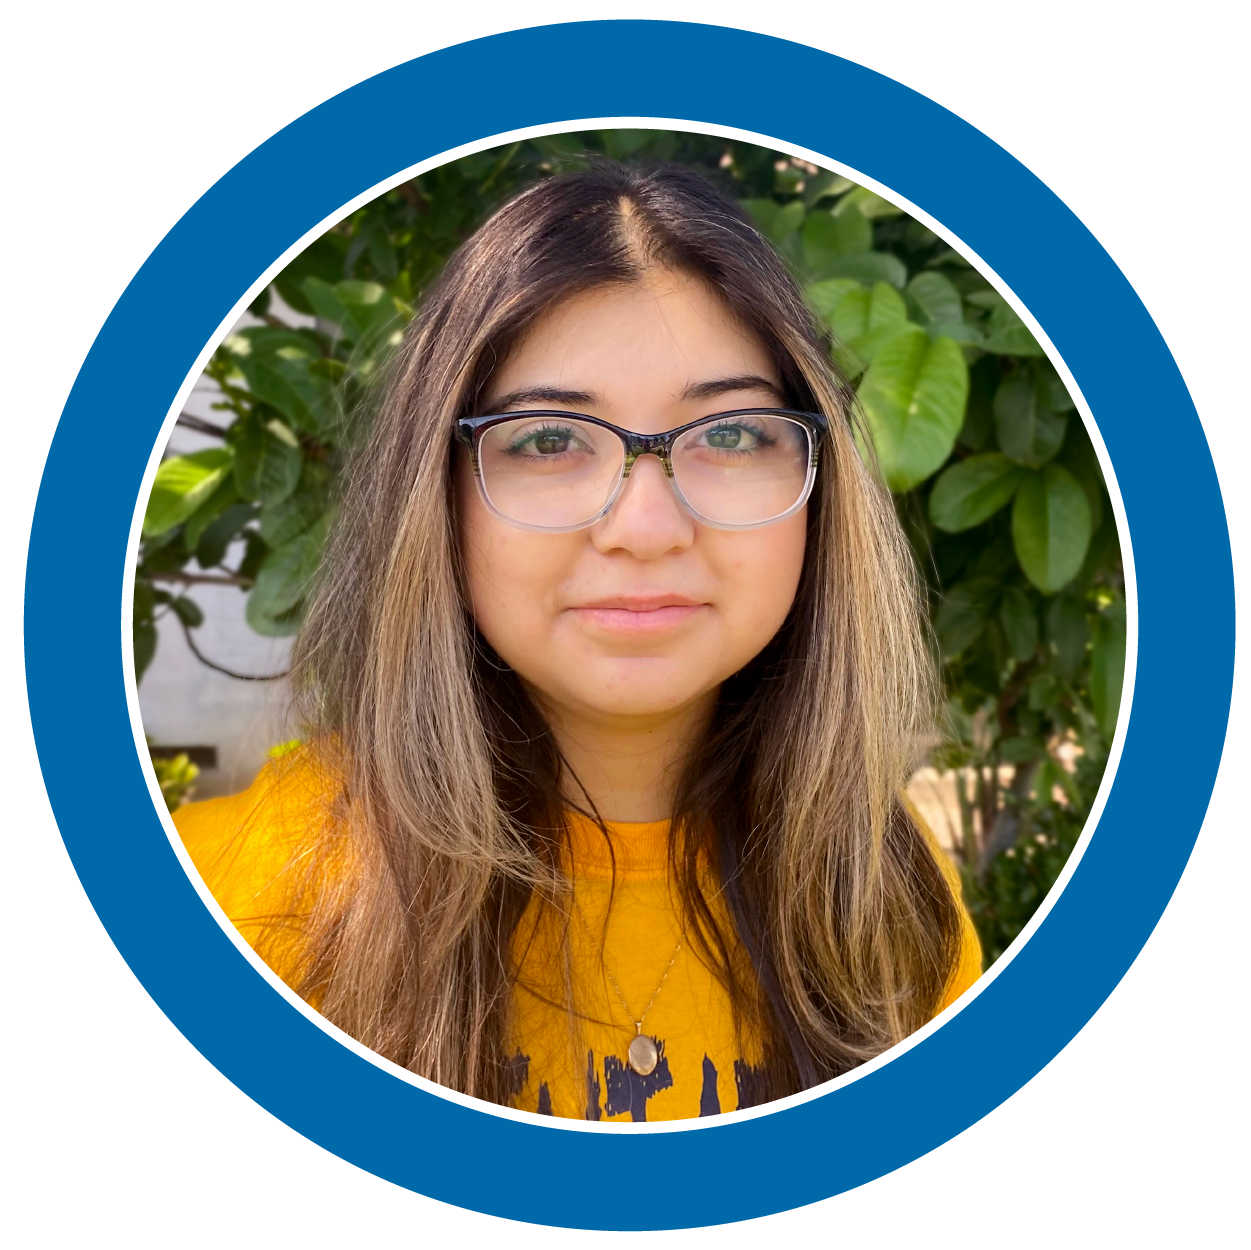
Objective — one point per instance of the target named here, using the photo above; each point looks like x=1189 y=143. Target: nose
x=647 y=520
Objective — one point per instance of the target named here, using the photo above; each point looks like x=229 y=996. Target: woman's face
x=647 y=611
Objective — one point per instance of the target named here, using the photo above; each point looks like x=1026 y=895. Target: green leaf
x=222 y=498
x=937 y=300
x=1019 y=750
x=825 y=184
x=255 y=550
x=622 y=143
x=324 y=257
x=1027 y=431
x=790 y=217
x=284 y=521
x=1052 y=393
x=1104 y=552
x=826 y=296
x=979 y=417
x=887 y=309
x=144 y=600
x=325 y=302
x=382 y=255
x=763 y=213
x=866 y=321
x=996 y=557
x=869 y=267
x=1050 y=527
x=145 y=646
x=963 y=614
x=984 y=297
x=1107 y=667
x=853 y=233
x=862 y=321
x=941 y=310
x=255 y=342
x=275 y=602
x=182 y=484
x=260 y=305
x=1078 y=456
x=188 y=612
x=266 y=468
x=826 y=237
x=1019 y=624
x=1009 y=335
x=1044 y=691
x=370 y=309
x=963 y=333
x=279 y=368
x=849 y=317
x=913 y=396
x=210 y=550
x=282 y=432
x=970 y=491
x=867 y=203
x=1068 y=631
x=775 y=221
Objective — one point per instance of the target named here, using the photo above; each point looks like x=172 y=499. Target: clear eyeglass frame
x=470 y=430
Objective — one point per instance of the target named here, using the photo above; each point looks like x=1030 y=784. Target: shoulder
x=968 y=966
x=249 y=847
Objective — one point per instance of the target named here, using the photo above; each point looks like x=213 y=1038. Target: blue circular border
x=729 y=1170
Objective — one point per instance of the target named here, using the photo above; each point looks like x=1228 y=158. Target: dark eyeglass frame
x=469 y=431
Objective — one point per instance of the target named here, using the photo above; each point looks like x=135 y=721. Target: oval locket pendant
x=643 y=1055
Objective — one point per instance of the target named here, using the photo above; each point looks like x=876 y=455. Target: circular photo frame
x=785 y=1154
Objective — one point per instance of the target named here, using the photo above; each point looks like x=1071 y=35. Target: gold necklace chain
x=642 y=1053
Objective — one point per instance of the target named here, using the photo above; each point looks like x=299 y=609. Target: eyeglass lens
x=557 y=472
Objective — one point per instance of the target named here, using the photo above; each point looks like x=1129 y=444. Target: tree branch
x=217 y=668
x=204 y=579
x=201 y=426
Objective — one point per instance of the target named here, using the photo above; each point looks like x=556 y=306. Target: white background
x=117 y=117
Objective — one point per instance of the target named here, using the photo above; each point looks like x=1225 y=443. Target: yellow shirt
x=567 y=1066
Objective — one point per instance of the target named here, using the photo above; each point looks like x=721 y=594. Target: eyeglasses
x=560 y=471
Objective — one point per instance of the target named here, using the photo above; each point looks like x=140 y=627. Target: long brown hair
x=843 y=931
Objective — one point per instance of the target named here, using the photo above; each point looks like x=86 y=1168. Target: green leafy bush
x=1002 y=899
x=996 y=481
x=176 y=776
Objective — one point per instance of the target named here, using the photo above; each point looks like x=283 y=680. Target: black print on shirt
x=592 y=1088
x=625 y=1090
x=516 y=1069
x=750 y=1084
x=709 y=1099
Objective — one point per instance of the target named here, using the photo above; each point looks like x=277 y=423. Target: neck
x=627 y=766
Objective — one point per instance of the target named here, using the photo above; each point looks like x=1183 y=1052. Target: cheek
x=763 y=575
x=512 y=577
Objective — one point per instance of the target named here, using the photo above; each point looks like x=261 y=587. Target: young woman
x=612 y=682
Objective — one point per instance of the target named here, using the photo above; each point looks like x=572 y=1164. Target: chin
x=642 y=687
x=641 y=708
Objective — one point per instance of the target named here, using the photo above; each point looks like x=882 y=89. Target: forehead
x=647 y=341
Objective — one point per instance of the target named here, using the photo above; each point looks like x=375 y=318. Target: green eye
x=550 y=443
x=726 y=437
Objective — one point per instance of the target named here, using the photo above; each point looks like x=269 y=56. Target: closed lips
x=642 y=603
x=638 y=614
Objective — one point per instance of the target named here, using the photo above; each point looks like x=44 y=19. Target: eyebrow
x=696 y=390
x=722 y=386
x=544 y=395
